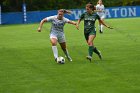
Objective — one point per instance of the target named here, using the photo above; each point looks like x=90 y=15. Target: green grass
x=27 y=64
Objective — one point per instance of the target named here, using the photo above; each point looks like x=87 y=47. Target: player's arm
x=41 y=24
x=79 y=20
x=105 y=24
x=73 y=23
x=77 y=26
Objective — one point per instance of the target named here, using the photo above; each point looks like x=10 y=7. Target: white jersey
x=57 y=25
x=100 y=7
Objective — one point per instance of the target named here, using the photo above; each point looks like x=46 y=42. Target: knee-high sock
x=66 y=52
x=101 y=27
x=90 y=50
x=55 y=51
x=95 y=50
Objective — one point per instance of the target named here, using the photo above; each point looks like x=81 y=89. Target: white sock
x=99 y=27
x=55 y=51
x=102 y=28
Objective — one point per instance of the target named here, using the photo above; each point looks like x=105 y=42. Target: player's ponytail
x=97 y=2
x=65 y=11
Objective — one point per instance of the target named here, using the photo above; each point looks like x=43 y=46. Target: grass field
x=27 y=64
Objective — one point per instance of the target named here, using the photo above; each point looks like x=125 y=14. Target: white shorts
x=60 y=36
x=102 y=16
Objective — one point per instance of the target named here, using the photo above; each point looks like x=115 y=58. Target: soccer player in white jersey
x=57 y=33
x=100 y=9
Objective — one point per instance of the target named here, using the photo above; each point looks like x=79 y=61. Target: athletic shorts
x=102 y=16
x=92 y=32
x=60 y=36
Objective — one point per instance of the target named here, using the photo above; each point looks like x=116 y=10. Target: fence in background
x=36 y=16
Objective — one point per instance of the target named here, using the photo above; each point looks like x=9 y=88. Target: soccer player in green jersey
x=89 y=18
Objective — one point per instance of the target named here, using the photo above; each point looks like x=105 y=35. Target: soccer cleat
x=56 y=59
x=100 y=55
x=101 y=31
x=69 y=58
x=89 y=58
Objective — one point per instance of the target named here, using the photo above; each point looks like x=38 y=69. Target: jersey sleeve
x=82 y=16
x=49 y=19
x=66 y=20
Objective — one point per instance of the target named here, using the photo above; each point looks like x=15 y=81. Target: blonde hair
x=99 y=1
x=65 y=11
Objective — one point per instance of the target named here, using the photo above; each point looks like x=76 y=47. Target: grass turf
x=27 y=64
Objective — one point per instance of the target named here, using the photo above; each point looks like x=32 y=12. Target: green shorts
x=91 y=32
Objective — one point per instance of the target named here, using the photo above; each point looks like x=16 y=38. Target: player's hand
x=110 y=27
x=39 y=29
x=77 y=26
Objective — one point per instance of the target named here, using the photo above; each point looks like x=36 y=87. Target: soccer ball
x=61 y=60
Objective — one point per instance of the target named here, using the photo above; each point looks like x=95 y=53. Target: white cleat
x=89 y=58
x=100 y=55
x=69 y=58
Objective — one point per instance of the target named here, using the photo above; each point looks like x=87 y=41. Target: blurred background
x=43 y=5
x=32 y=11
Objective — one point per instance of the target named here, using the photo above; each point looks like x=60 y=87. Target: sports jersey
x=89 y=21
x=57 y=25
x=100 y=7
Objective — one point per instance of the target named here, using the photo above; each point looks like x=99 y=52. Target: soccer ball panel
x=61 y=60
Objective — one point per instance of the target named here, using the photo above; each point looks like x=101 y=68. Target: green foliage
x=34 y=5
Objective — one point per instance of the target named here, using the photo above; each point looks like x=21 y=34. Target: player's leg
x=101 y=26
x=90 y=38
x=53 y=40
x=62 y=42
x=90 y=44
x=101 y=30
x=63 y=46
x=92 y=48
x=95 y=50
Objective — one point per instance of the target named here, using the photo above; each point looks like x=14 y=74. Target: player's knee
x=54 y=43
x=90 y=43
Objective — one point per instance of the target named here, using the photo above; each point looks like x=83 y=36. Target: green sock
x=90 y=50
x=95 y=50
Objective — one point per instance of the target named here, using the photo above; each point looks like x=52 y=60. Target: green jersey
x=89 y=21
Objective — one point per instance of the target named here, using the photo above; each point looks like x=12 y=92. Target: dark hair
x=91 y=6
x=65 y=11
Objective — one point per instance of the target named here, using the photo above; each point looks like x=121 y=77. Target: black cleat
x=56 y=59
x=101 y=32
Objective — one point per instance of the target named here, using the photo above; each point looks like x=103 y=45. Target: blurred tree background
x=43 y=5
